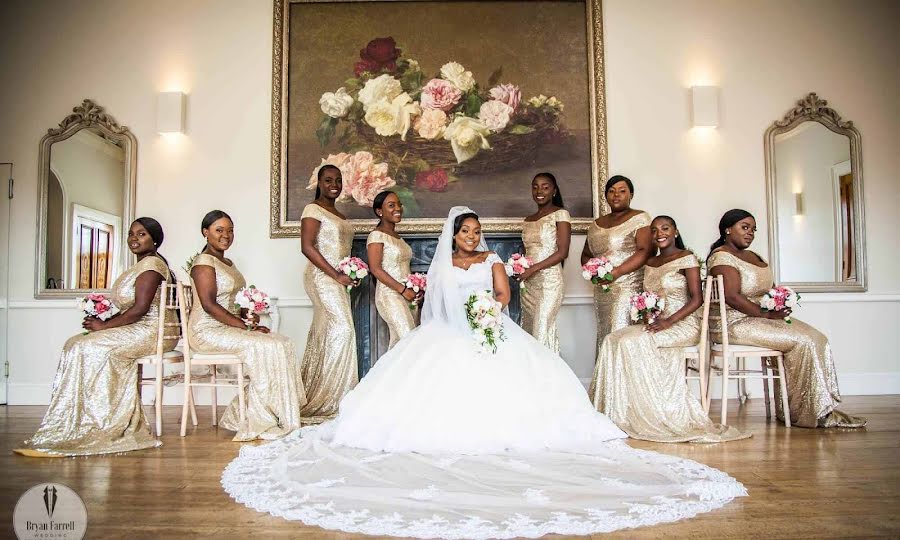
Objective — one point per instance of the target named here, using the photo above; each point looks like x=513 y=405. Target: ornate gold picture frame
x=445 y=102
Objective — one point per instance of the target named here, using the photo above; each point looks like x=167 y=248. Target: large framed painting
x=444 y=102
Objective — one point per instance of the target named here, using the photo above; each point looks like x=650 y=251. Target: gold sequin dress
x=812 y=386
x=329 y=363
x=95 y=407
x=617 y=244
x=543 y=294
x=391 y=306
x=275 y=392
x=641 y=375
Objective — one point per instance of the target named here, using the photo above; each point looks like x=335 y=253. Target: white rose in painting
x=495 y=114
x=456 y=74
x=393 y=118
x=381 y=89
x=336 y=104
x=467 y=136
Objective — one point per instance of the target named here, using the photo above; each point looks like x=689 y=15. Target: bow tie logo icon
x=50 y=499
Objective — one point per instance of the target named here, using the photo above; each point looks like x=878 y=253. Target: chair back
x=185 y=302
x=715 y=294
x=168 y=305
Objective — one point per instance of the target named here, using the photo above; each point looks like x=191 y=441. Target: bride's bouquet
x=647 y=306
x=354 y=267
x=254 y=301
x=597 y=269
x=98 y=306
x=779 y=298
x=416 y=282
x=485 y=316
x=516 y=266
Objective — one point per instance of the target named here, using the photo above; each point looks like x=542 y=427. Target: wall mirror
x=814 y=177
x=86 y=190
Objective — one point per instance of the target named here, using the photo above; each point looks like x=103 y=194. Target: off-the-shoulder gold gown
x=96 y=407
x=275 y=392
x=391 y=305
x=641 y=375
x=329 y=362
x=543 y=294
x=617 y=244
x=813 y=394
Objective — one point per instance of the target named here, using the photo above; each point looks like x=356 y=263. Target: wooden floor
x=803 y=483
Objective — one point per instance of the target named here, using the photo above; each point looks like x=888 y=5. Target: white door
x=6 y=193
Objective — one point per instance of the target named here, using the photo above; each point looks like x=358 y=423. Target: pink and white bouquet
x=516 y=266
x=647 y=306
x=254 y=301
x=597 y=269
x=485 y=316
x=353 y=267
x=779 y=298
x=416 y=282
x=98 y=306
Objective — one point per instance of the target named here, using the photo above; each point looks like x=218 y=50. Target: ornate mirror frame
x=812 y=108
x=86 y=115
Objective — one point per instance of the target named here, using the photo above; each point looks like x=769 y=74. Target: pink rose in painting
x=362 y=177
x=431 y=124
x=440 y=94
x=495 y=114
x=433 y=180
x=507 y=93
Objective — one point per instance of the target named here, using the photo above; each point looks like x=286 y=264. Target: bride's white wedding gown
x=441 y=441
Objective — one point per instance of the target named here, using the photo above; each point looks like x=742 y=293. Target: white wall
x=803 y=159
x=764 y=55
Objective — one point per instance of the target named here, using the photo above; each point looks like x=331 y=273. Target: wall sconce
x=705 y=110
x=798 y=204
x=170 y=112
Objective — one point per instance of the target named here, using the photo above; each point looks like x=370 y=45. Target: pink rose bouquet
x=354 y=267
x=646 y=306
x=254 y=301
x=516 y=266
x=98 y=306
x=597 y=269
x=417 y=283
x=779 y=298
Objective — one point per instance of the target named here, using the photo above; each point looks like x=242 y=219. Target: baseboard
x=852 y=384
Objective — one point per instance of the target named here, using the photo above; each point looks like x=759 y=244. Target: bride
x=444 y=440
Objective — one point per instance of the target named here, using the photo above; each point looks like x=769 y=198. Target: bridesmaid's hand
x=345 y=280
x=527 y=274
x=659 y=325
x=409 y=295
x=92 y=324
x=779 y=314
x=261 y=329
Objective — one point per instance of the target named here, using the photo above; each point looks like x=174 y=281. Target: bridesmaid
x=813 y=394
x=329 y=363
x=640 y=369
x=275 y=391
x=546 y=235
x=389 y=258
x=96 y=404
x=623 y=237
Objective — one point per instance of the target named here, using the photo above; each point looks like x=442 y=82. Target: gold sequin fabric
x=96 y=407
x=543 y=294
x=639 y=377
x=617 y=244
x=391 y=306
x=813 y=394
x=275 y=391
x=329 y=362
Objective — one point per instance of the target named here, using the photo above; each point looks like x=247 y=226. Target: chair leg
x=724 y=417
x=707 y=397
x=765 y=382
x=188 y=402
x=159 y=398
x=242 y=407
x=742 y=383
x=193 y=408
x=782 y=381
x=215 y=419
